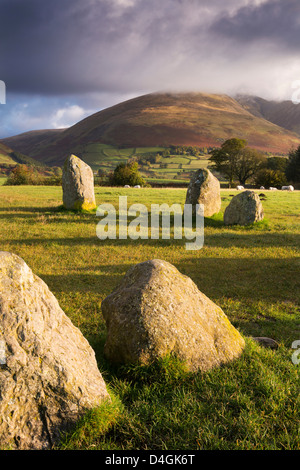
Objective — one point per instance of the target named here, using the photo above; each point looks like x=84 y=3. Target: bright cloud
x=67 y=116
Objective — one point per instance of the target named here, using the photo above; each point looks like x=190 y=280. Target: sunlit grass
x=252 y=273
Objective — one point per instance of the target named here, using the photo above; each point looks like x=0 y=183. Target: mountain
x=285 y=114
x=159 y=119
x=32 y=141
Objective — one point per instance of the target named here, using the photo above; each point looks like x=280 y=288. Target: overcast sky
x=62 y=60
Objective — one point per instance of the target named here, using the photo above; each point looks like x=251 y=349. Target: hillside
x=10 y=158
x=283 y=113
x=160 y=119
x=28 y=141
x=5 y=157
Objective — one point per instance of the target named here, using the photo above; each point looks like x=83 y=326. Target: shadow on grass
x=96 y=242
x=70 y=216
x=245 y=278
x=250 y=239
x=53 y=209
x=214 y=221
x=102 y=284
x=241 y=278
x=43 y=209
x=260 y=296
x=250 y=279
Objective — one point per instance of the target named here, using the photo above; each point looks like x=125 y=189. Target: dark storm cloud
x=64 y=59
x=80 y=46
x=275 y=21
x=45 y=45
x=69 y=46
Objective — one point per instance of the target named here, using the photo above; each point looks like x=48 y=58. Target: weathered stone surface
x=204 y=188
x=244 y=209
x=78 y=185
x=156 y=311
x=48 y=371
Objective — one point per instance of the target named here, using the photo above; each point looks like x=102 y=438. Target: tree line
x=240 y=163
x=234 y=160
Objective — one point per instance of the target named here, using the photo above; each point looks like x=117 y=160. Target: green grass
x=107 y=157
x=252 y=273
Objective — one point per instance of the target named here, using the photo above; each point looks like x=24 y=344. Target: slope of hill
x=283 y=113
x=10 y=158
x=160 y=119
x=28 y=141
x=5 y=155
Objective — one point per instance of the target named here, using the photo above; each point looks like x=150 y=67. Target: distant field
x=252 y=273
x=107 y=157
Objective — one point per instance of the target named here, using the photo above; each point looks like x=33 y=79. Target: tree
x=224 y=158
x=293 y=167
x=126 y=173
x=277 y=163
x=23 y=174
x=273 y=174
x=236 y=161
x=248 y=162
x=267 y=177
x=101 y=173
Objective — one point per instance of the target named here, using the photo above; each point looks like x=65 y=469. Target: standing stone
x=204 y=188
x=48 y=371
x=157 y=311
x=244 y=209
x=78 y=185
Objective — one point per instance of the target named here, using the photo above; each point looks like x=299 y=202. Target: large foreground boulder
x=244 y=209
x=156 y=311
x=48 y=371
x=204 y=188
x=78 y=185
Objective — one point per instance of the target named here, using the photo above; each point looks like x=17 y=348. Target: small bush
x=126 y=173
x=51 y=181
x=23 y=174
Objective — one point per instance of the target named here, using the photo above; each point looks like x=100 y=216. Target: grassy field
x=251 y=273
x=107 y=157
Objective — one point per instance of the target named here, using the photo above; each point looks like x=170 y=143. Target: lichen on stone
x=78 y=185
